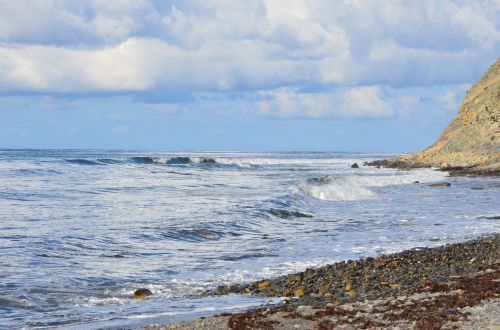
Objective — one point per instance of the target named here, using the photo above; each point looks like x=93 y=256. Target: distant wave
x=83 y=161
x=356 y=187
x=489 y=217
x=109 y=161
x=215 y=161
x=193 y=235
x=182 y=160
x=287 y=214
x=157 y=160
x=93 y=162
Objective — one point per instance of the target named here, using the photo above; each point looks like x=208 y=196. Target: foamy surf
x=105 y=223
x=356 y=187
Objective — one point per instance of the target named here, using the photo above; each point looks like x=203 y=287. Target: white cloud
x=372 y=101
x=121 y=129
x=142 y=64
x=55 y=69
x=270 y=46
x=365 y=102
x=170 y=108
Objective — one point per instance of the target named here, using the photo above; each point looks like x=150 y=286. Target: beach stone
x=352 y=293
x=299 y=292
x=348 y=285
x=142 y=293
x=355 y=165
x=328 y=296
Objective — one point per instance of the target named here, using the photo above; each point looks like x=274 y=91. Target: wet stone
x=142 y=293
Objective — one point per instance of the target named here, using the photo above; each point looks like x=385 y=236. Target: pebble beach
x=455 y=286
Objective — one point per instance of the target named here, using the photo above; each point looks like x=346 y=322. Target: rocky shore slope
x=448 y=287
x=471 y=142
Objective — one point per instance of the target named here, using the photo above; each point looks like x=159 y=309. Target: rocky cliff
x=471 y=142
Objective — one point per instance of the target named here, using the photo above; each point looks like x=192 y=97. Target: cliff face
x=471 y=142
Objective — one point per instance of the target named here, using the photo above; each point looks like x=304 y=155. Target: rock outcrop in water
x=471 y=142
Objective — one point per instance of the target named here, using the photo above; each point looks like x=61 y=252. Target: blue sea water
x=81 y=230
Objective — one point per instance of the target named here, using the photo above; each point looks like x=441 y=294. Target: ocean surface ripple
x=81 y=230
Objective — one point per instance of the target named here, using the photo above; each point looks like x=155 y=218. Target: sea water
x=81 y=230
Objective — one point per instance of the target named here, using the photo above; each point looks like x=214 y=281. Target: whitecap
x=357 y=187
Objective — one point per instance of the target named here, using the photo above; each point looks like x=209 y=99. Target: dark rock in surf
x=142 y=293
x=355 y=165
x=441 y=184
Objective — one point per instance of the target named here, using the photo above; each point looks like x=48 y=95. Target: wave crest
x=356 y=187
x=183 y=160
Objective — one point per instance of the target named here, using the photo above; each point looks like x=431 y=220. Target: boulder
x=142 y=293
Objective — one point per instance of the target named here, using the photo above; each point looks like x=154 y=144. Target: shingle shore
x=370 y=278
x=427 y=288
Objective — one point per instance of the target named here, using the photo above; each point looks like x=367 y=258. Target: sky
x=248 y=75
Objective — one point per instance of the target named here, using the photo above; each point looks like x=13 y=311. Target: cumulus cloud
x=272 y=48
x=373 y=101
x=366 y=101
x=143 y=64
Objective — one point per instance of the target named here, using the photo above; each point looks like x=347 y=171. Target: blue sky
x=257 y=75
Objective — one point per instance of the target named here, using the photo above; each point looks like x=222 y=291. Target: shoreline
x=427 y=287
x=492 y=171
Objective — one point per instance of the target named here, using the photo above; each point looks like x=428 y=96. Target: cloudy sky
x=347 y=75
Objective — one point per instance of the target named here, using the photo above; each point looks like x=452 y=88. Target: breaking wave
x=79 y=161
x=180 y=160
x=356 y=187
x=190 y=160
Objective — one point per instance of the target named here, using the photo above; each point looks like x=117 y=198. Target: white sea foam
x=234 y=161
x=356 y=187
x=342 y=190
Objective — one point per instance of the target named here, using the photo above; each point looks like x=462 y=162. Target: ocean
x=81 y=230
